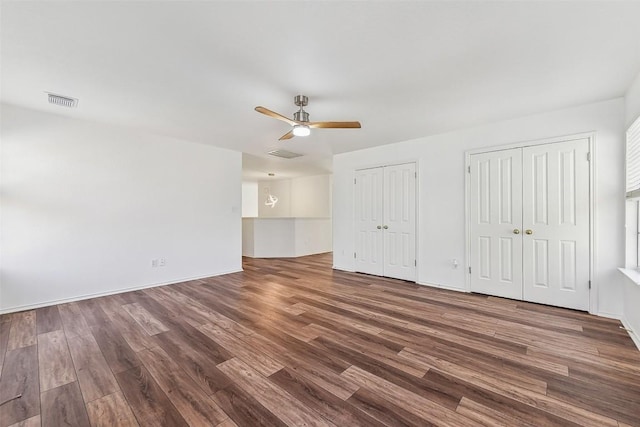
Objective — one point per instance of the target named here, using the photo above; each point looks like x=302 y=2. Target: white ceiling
x=196 y=70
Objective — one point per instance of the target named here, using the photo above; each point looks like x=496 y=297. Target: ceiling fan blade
x=287 y=135
x=335 y=125
x=275 y=115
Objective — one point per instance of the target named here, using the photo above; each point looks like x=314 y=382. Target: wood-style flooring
x=292 y=342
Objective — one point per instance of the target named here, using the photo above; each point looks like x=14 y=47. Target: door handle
x=516 y=231
x=385 y=226
x=528 y=231
x=379 y=227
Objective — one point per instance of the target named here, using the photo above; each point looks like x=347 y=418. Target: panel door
x=556 y=214
x=399 y=228
x=496 y=223
x=368 y=211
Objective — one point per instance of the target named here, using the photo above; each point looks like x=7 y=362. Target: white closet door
x=399 y=227
x=368 y=210
x=496 y=223
x=556 y=214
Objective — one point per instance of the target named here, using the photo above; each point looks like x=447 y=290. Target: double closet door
x=385 y=215
x=529 y=224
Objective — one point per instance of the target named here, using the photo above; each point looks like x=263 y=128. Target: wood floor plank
x=555 y=406
x=524 y=413
x=385 y=412
x=48 y=319
x=149 y=323
x=95 y=378
x=244 y=409
x=119 y=356
x=19 y=386
x=5 y=327
x=54 y=361
x=290 y=410
x=148 y=402
x=73 y=321
x=111 y=411
x=23 y=330
x=135 y=336
x=195 y=313
x=63 y=406
x=93 y=313
x=228 y=423
x=196 y=358
x=31 y=422
x=321 y=368
x=486 y=416
x=424 y=408
x=189 y=399
x=384 y=355
x=259 y=361
x=619 y=405
x=526 y=376
x=402 y=379
x=331 y=407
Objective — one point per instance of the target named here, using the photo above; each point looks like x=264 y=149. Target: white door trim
x=591 y=136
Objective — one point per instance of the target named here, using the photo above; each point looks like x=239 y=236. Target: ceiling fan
x=301 y=124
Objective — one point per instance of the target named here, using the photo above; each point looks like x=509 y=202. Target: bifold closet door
x=368 y=212
x=556 y=224
x=496 y=223
x=385 y=211
x=529 y=225
x=399 y=214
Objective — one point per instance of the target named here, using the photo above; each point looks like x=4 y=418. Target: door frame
x=591 y=137
x=417 y=195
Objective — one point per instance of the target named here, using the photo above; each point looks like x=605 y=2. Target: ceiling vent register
x=63 y=101
x=285 y=154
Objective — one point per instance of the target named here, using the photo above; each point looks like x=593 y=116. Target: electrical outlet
x=154 y=263
x=162 y=262
x=454 y=263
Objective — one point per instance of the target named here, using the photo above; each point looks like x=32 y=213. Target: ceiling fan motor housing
x=301 y=116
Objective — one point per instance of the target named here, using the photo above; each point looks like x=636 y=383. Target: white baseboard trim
x=343 y=269
x=633 y=334
x=446 y=287
x=102 y=294
x=607 y=315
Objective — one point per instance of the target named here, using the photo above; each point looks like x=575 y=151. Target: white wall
x=441 y=175
x=300 y=197
x=249 y=199
x=282 y=190
x=311 y=196
x=87 y=206
x=248 y=239
x=632 y=102
x=312 y=236
x=285 y=237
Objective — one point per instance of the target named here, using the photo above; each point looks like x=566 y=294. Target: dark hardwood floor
x=291 y=342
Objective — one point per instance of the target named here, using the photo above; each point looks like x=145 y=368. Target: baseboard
x=608 y=315
x=445 y=287
x=343 y=269
x=102 y=294
x=633 y=334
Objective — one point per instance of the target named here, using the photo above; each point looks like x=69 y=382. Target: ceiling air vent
x=285 y=154
x=63 y=101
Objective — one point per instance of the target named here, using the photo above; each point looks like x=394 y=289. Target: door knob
x=385 y=226
x=379 y=227
x=529 y=231
x=516 y=231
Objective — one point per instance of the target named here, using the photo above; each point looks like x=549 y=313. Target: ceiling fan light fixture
x=301 y=130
